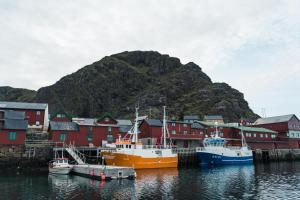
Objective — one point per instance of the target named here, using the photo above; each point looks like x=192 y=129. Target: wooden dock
x=95 y=171
x=103 y=172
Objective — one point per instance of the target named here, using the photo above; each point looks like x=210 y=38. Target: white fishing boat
x=215 y=152
x=60 y=165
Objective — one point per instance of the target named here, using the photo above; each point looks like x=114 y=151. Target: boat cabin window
x=214 y=143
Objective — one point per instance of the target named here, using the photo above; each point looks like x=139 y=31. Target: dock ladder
x=77 y=156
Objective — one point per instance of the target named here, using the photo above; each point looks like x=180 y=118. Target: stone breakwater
x=277 y=155
x=21 y=157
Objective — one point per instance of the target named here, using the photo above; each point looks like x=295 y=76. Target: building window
x=63 y=137
x=184 y=132
x=37 y=123
x=90 y=137
x=173 y=131
x=261 y=135
x=12 y=135
x=173 y=124
x=61 y=116
x=221 y=134
x=254 y=134
x=106 y=119
x=266 y=135
x=184 y=125
x=110 y=138
x=287 y=134
x=38 y=112
x=109 y=129
x=273 y=136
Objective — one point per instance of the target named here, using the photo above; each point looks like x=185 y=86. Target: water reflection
x=227 y=182
x=152 y=183
x=278 y=180
x=262 y=181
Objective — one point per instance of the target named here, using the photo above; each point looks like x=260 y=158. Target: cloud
x=41 y=41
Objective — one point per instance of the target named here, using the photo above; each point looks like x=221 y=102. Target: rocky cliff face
x=116 y=83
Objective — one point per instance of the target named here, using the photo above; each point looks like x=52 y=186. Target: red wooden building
x=287 y=126
x=256 y=137
x=35 y=113
x=182 y=134
x=13 y=127
x=85 y=131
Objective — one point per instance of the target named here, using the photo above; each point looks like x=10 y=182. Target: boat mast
x=164 y=129
x=244 y=144
x=135 y=129
x=217 y=134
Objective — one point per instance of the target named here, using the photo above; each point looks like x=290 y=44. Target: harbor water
x=260 y=181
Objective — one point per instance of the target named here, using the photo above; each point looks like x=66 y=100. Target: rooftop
x=63 y=126
x=22 y=105
x=232 y=125
x=90 y=122
x=15 y=124
x=271 y=120
x=254 y=129
x=10 y=114
x=191 y=117
x=124 y=122
x=213 y=117
x=154 y=122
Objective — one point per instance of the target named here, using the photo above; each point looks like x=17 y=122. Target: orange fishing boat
x=132 y=153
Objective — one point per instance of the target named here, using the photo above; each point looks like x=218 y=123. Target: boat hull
x=138 y=162
x=60 y=170
x=206 y=158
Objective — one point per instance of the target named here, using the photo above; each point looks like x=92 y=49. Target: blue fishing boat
x=215 y=152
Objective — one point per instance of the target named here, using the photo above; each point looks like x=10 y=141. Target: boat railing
x=233 y=147
x=156 y=147
x=200 y=148
x=184 y=150
x=39 y=143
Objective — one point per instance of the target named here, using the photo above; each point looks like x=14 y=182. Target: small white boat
x=60 y=166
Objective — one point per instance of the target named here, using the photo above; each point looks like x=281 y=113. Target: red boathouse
x=13 y=127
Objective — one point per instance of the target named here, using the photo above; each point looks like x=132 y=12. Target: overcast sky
x=252 y=45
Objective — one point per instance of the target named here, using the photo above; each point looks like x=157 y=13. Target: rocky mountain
x=116 y=83
x=16 y=94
